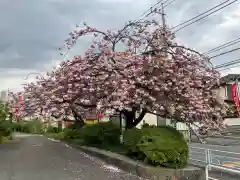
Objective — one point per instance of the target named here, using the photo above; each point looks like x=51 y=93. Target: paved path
x=37 y=158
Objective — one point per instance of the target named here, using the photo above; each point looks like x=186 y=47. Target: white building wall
x=150 y=119
x=182 y=126
x=232 y=121
x=105 y=119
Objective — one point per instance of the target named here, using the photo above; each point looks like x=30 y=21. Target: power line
x=204 y=15
x=230 y=63
x=229 y=68
x=200 y=14
x=146 y=13
x=232 y=50
x=168 y=3
x=227 y=44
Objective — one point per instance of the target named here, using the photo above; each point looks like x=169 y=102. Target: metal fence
x=215 y=160
x=203 y=156
x=221 y=169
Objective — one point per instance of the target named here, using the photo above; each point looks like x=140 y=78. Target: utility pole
x=164 y=31
x=158 y=43
x=163 y=17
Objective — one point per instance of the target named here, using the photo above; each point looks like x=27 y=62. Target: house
x=225 y=89
x=225 y=92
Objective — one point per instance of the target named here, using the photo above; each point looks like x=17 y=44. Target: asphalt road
x=37 y=158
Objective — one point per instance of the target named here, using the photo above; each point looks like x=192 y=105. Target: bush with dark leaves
x=159 y=146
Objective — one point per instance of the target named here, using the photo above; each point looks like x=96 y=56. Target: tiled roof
x=229 y=78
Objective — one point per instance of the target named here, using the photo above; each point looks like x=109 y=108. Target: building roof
x=229 y=78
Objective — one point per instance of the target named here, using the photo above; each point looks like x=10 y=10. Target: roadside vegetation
x=160 y=146
x=5 y=126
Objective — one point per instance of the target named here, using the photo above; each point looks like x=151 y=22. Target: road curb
x=218 y=144
x=140 y=169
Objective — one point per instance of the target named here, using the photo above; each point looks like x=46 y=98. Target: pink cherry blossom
x=151 y=72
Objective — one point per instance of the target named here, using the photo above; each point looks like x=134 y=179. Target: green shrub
x=159 y=146
x=131 y=138
x=99 y=134
x=34 y=127
x=145 y=125
x=59 y=136
x=21 y=127
x=51 y=129
x=148 y=126
x=6 y=128
x=72 y=132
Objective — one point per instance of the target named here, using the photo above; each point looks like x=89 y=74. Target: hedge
x=159 y=146
x=34 y=127
x=6 y=128
x=100 y=134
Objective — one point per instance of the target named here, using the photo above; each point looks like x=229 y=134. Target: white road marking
x=37 y=145
x=111 y=168
x=54 y=140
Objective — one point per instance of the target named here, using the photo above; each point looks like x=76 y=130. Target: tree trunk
x=131 y=120
x=78 y=118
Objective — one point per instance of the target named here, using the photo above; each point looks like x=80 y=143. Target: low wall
x=145 y=171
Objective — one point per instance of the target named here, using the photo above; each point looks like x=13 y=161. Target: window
x=225 y=92
x=229 y=92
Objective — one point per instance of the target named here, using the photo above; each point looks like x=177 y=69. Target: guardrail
x=204 y=156
x=198 y=156
x=215 y=160
x=219 y=168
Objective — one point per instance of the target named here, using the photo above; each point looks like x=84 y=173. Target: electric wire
x=230 y=63
x=232 y=50
x=229 y=67
x=146 y=13
x=203 y=16
x=168 y=3
x=225 y=45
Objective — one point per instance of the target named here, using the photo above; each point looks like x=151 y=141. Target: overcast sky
x=32 y=30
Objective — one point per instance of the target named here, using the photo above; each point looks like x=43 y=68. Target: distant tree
x=4 y=111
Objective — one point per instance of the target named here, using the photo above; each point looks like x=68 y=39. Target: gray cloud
x=31 y=31
x=210 y=32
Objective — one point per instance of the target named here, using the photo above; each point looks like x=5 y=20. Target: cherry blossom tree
x=138 y=68
x=15 y=105
x=72 y=89
x=155 y=74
